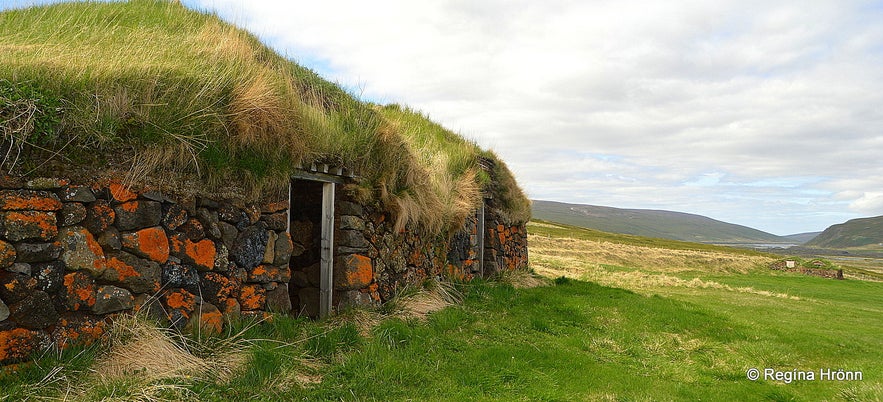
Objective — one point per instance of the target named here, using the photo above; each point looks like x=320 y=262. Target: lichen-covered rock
x=49 y=275
x=78 y=329
x=278 y=300
x=350 y=222
x=72 y=213
x=20 y=268
x=201 y=254
x=121 y=192
x=133 y=273
x=133 y=215
x=28 y=225
x=252 y=297
x=81 y=251
x=268 y=273
x=31 y=200
x=78 y=292
x=217 y=288
x=177 y=275
x=35 y=311
x=277 y=221
x=193 y=229
x=99 y=216
x=15 y=287
x=353 y=272
x=228 y=233
x=109 y=299
x=350 y=242
x=248 y=248
x=19 y=344
x=209 y=221
x=174 y=216
x=36 y=252
x=179 y=306
x=76 y=194
x=110 y=239
x=207 y=319
x=150 y=243
x=273 y=207
x=8 y=254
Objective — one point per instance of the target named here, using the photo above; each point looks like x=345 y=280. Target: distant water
x=759 y=246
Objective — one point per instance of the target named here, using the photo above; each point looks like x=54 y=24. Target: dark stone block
x=111 y=299
x=277 y=221
x=49 y=275
x=72 y=213
x=37 y=252
x=133 y=215
x=177 y=275
x=76 y=194
x=15 y=287
x=35 y=311
x=249 y=247
x=278 y=299
x=174 y=215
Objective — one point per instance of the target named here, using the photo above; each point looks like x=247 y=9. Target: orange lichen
x=30 y=200
x=150 y=242
x=272 y=207
x=120 y=192
x=201 y=253
x=122 y=270
x=252 y=297
x=211 y=321
x=130 y=206
x=80 y=293
x=44 y=221
x=181 y=299
x=358 y=272
x=16 y=344
x=70 y=333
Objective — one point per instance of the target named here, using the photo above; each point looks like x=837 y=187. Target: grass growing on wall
x=173 y=97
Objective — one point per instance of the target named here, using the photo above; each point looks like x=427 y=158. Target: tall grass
x=181 y=100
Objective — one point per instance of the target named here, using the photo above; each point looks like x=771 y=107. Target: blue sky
x=766 y=114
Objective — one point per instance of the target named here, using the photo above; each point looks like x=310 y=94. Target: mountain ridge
x=652 y=223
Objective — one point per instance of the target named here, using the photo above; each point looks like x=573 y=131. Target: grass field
x=624 y=320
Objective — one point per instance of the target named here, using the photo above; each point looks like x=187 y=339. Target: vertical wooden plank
x=327 y=251
x=481 y=236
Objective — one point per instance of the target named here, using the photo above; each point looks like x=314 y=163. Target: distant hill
x=854 y=233
x=651 y=223
x=801 y=238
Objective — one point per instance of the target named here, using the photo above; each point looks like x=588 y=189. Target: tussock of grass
x=419 y=303
x=521 y=279
x=183 y=101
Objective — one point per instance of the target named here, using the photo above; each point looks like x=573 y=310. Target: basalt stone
x=269 y=273
x=110 y=239
x=231 y=214
x=151 y=306
x=99 y=216
x=29 y=225
x=217 y=288
x=76 y=194
x=81 y=251
x=15 y=287
x=283 y=249
x=314 y=274
x=352 y=222
x=49 y=275
x=20 y=268
x=353 y=272
x=222 y=258
x=253 y=213
x=150 y=243
x=179 y=306
x=276 y=206
x=176 y=275
x=353 y=240
x=349 y=208
x=278 y=299
x=45 y=183
x=201 y=254
x=252 y=297
x=28 y=200
x=228 y=233
x=133 y=273
x=207 y=203
x=193 y=229
x=109 y=299
x=35 y=311
x=134 y=215
x=174 y=215
x=72 y=213
x=18 y=344
x=121 y=192
x=209 y=221
x=302 y=232
x=8 y=254
x=35 y=252
x=155 y=195
x=77 y=292
x=277 y=221
x=78 y=329
x=248 y=248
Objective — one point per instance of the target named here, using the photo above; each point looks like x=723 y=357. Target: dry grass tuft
x=434 y=296
x=522 y=279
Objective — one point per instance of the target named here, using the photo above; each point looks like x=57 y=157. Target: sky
x=765 y=113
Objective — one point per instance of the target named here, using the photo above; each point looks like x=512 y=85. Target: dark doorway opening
x=306 y=234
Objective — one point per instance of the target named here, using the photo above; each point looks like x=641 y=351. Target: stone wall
x=73 y=256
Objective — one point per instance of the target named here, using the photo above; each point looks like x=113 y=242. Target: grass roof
x=178 y=99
